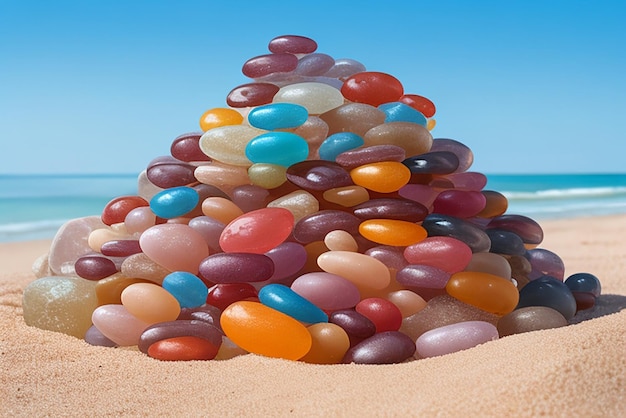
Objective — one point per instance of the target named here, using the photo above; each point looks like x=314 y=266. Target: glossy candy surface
x=257 y=231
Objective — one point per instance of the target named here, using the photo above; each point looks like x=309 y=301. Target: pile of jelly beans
x=314 y=218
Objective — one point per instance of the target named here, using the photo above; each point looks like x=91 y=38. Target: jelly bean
x=94 y=337
x=337 y=143
x=262 y=330
x=179 y=328
x=418 y=276
x=459 y=203
x=528 y=229
x=520 y=270
x=281 y=148
x=531 y=318
x=61 y=304
x=216 y=117
x=383 y=177
x=436 y=162
x=328 y=291
x=300 y=203
x=222 y=176
x=285 y=300
x=505 y=242
x=292 y=44
x=150 y=303
x=392 y=257
x=407 y=301
x=413 y=138
x=314 y=64
x=495 y=204
x=141 y=266
x=263 y=65
x=117 y=324
x=468 y=180
x=176 y=247
x=446 y=253
x=277 y=116
x=455 y=337
x=344 y=68
x=227 y=144
x=314 y=227
x=317 y=98
x=145 y=188
x=419 y=103
x=220 y=209
x=383 y=348
x=357 y=118
x=222 y=295
x=174 y=202
x=187 y=288
x=490 y=263
x=358 y=268
x=329 y=343
x=94 y=267
x=392 y=232
x=386 y=208
x=314 y=131
x=258 y=231
x=182 y=348
x=249 y=197
x=347 y=196
x=384 y=314
x=234 y=267
x=357 y=326
x=420 y=193
x=367 y=155
x=585 y=288
x=446 y=225
x=463 y=152
x=168 y=172
x=400 y=112
x=485 y=291
x=545 y=262
x=252 y=94
x=210 y=229
x=288 y=258
x=99 y=237
x=116 y=210
x=373 y=88
x=205 y=313
x=339 y=240
x=318 y=175
x=139 y=219
x=109 y=290
x=550 y=292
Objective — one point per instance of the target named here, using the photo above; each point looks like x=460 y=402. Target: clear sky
x=105 y=86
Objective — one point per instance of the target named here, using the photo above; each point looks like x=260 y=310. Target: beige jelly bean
x=360 y=269
x=317 y=98
x=300 y=203
x=340 y=241
x=227 y=144
x=150 y=303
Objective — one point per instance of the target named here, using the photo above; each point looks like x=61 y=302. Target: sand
x=575 y=371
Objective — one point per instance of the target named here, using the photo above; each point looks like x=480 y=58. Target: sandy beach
x=574 y=371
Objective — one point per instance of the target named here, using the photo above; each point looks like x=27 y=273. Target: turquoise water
x=34 y=207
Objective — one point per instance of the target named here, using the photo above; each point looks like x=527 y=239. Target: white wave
x=577 y=192
x=37 y=228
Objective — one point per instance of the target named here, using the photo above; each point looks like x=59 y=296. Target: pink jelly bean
x=177 y=247
x=327 y=291
x=459 y=203
x=118 y=325
x=258 y=231
x=288 y=258
x=446 y=253
x=455 y=337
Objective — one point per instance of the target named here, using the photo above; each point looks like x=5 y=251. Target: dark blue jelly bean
x=387 y=347
x=550 y=292
x=528 y=229
x=450 y=226
x=585 y=288
x=505 y=242
x=436 y=162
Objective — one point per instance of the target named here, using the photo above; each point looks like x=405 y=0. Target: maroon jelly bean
x=252 y=94
x=353 y=323
x=545 y=263
x=386 y=208
x=94 y=267
x=186 y=147
x=375 y=153
x=263 y=65
x=388 y=347
x=167 y=172
x=206 y=313
x=222 y=295
x=314 y=227
x=120 y=248
x=528 y=229
x=318 y=175
x=505 y=242
x=434 y=162
x=463 y=153
x=450 y=226
x=236 y=268
x=179 y=328
x=292 y=44
x=459 y=203
x=250 y=197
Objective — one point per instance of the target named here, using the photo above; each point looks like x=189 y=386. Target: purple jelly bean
x=463 y=153
x=314 y=64
x=353 y=323
x=288 y=258
x=210 y=229
x=528 y=229
x=93 y=336
x=250 y=197
x=328 y=291
x=236 y=268
x=314 y=227
x=387 y=347
x=455 y=337
x=392 y=257
x=545 y=263
x=375 y=153
x=387 y=208
x=423 y=276
x=317 y=175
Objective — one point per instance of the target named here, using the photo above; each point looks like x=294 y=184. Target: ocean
x=35 y=206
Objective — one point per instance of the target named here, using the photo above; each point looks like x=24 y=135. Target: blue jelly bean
x=550 y=292
x=400 y=112
x=174 y=202
x=187 y=288
x=285 y=300
x=278 y=116
x=280 y=148
x=337 y=143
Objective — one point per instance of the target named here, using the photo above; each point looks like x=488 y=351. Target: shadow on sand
x=605 y=305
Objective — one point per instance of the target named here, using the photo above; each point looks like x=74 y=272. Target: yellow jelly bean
x=383 y=176
x=392 y=232
x=485 y=291
x=262 y=330
x=300 y=203
x=430 y=125
x=329 y=344
x=219 y=116
x=268 y=176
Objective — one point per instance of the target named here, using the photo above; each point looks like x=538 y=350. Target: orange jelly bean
x=220 y=209
x=219 y=116
x=485 y=291
x=183 y=348
x=329 y=344
x=262 y=330
x=382 y=177
x=392 y=232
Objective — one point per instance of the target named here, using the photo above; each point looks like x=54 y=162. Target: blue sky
x=105 y=86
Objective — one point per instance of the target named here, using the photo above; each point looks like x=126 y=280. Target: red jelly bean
x=373 y=88
x=116 y=210
x=224 y=294
x=384 y=314
x=258 y=231
x=419 y=103
x=183 y=348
